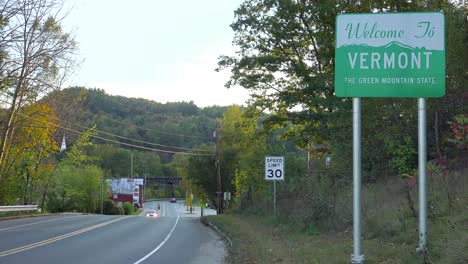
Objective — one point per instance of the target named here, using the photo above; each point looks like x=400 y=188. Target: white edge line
x=35 y=223
x=162 y=243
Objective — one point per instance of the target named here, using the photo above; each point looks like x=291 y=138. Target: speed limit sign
x=274 y=168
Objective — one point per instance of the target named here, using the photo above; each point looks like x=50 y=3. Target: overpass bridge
x=163 y=180
x=168 y=181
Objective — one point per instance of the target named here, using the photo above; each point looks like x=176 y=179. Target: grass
x=389 y=231
x=19 y=213
x=137 y=212
x=257 y=240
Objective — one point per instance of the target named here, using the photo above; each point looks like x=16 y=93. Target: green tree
x=286 y=61
x=29 y=164
x=244 y=149
x=36 y=54
x=76 y=180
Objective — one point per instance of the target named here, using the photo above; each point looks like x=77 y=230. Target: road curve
x=174 y=237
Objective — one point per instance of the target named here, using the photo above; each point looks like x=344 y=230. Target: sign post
x=357 y=257
x=274 y=171
x=389 y=55
x=422 y=151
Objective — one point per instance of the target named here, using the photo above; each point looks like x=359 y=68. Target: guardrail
x=13 y=208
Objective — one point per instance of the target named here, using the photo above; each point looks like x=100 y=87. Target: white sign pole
x=274 y=199
x=422 y=174
x=357 y=257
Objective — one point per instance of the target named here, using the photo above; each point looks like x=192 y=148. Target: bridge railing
x=13 y=208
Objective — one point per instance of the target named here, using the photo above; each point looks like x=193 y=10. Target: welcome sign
x=390 y=55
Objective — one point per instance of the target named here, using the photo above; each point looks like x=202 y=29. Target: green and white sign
x=390 y=55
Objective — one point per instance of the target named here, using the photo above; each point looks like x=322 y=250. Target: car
x=173 y=200
x=151 y=213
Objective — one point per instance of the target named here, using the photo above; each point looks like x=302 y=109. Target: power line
x=110 y=140
x=145 y=128
x=153 y=130
x=132 y=139
x=148 y=129
x=127 y=138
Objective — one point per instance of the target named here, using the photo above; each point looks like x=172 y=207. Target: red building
x=127 y=190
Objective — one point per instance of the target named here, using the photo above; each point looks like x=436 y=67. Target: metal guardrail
x=13 y=208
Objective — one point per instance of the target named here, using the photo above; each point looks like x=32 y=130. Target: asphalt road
x=173 y=237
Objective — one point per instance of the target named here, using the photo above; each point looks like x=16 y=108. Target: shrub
x=111 y=209
x=128 y=208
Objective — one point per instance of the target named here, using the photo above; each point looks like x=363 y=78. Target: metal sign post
x=274 y=199
x=357 y=257
x=422 y=175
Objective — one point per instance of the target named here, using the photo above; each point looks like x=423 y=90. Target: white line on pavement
x=57 y=238
x=35 y=223
x=162 y=243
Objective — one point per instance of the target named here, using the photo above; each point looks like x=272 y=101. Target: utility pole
x=218 y=168
x=144 y=190
x=102 y=195
x=131 y=164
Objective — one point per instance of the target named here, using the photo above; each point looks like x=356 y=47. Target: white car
x=151 y=213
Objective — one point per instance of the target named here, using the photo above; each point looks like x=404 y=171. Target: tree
x=243 y=152
x=36 y=54
x=76 y=180
x=286 y=61
x=30 y=163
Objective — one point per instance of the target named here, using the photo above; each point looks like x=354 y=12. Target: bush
x=111 y=209
x=128 y=208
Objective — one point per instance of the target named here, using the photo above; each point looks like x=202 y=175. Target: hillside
x=170 y=127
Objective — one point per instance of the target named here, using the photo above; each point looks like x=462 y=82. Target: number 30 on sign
x=274 y=168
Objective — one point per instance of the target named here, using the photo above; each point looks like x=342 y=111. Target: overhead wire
x=148 y=129
x=127 y=138
x=132 y=139
x=109 y=140
x=152 y=130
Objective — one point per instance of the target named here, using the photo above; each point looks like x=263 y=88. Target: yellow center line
x=57 y=238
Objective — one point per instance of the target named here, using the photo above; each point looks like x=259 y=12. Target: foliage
x=128 y=208
x=110 y=208
x=285 y=59
x=28 y=159
x=459 y=129
x=404 y=155
x=116 y=162
x=35 y=54
x=76 y=180
x=244 y=150
x=388 y=236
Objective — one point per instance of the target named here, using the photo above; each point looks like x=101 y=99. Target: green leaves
x=404 y=155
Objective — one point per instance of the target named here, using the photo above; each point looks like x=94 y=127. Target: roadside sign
x=274 y=168
x=390 y=55
x=189 y=199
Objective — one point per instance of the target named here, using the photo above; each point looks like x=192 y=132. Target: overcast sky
x=156 y=49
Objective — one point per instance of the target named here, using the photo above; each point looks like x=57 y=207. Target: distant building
x=64 y=144
x=126 y=190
